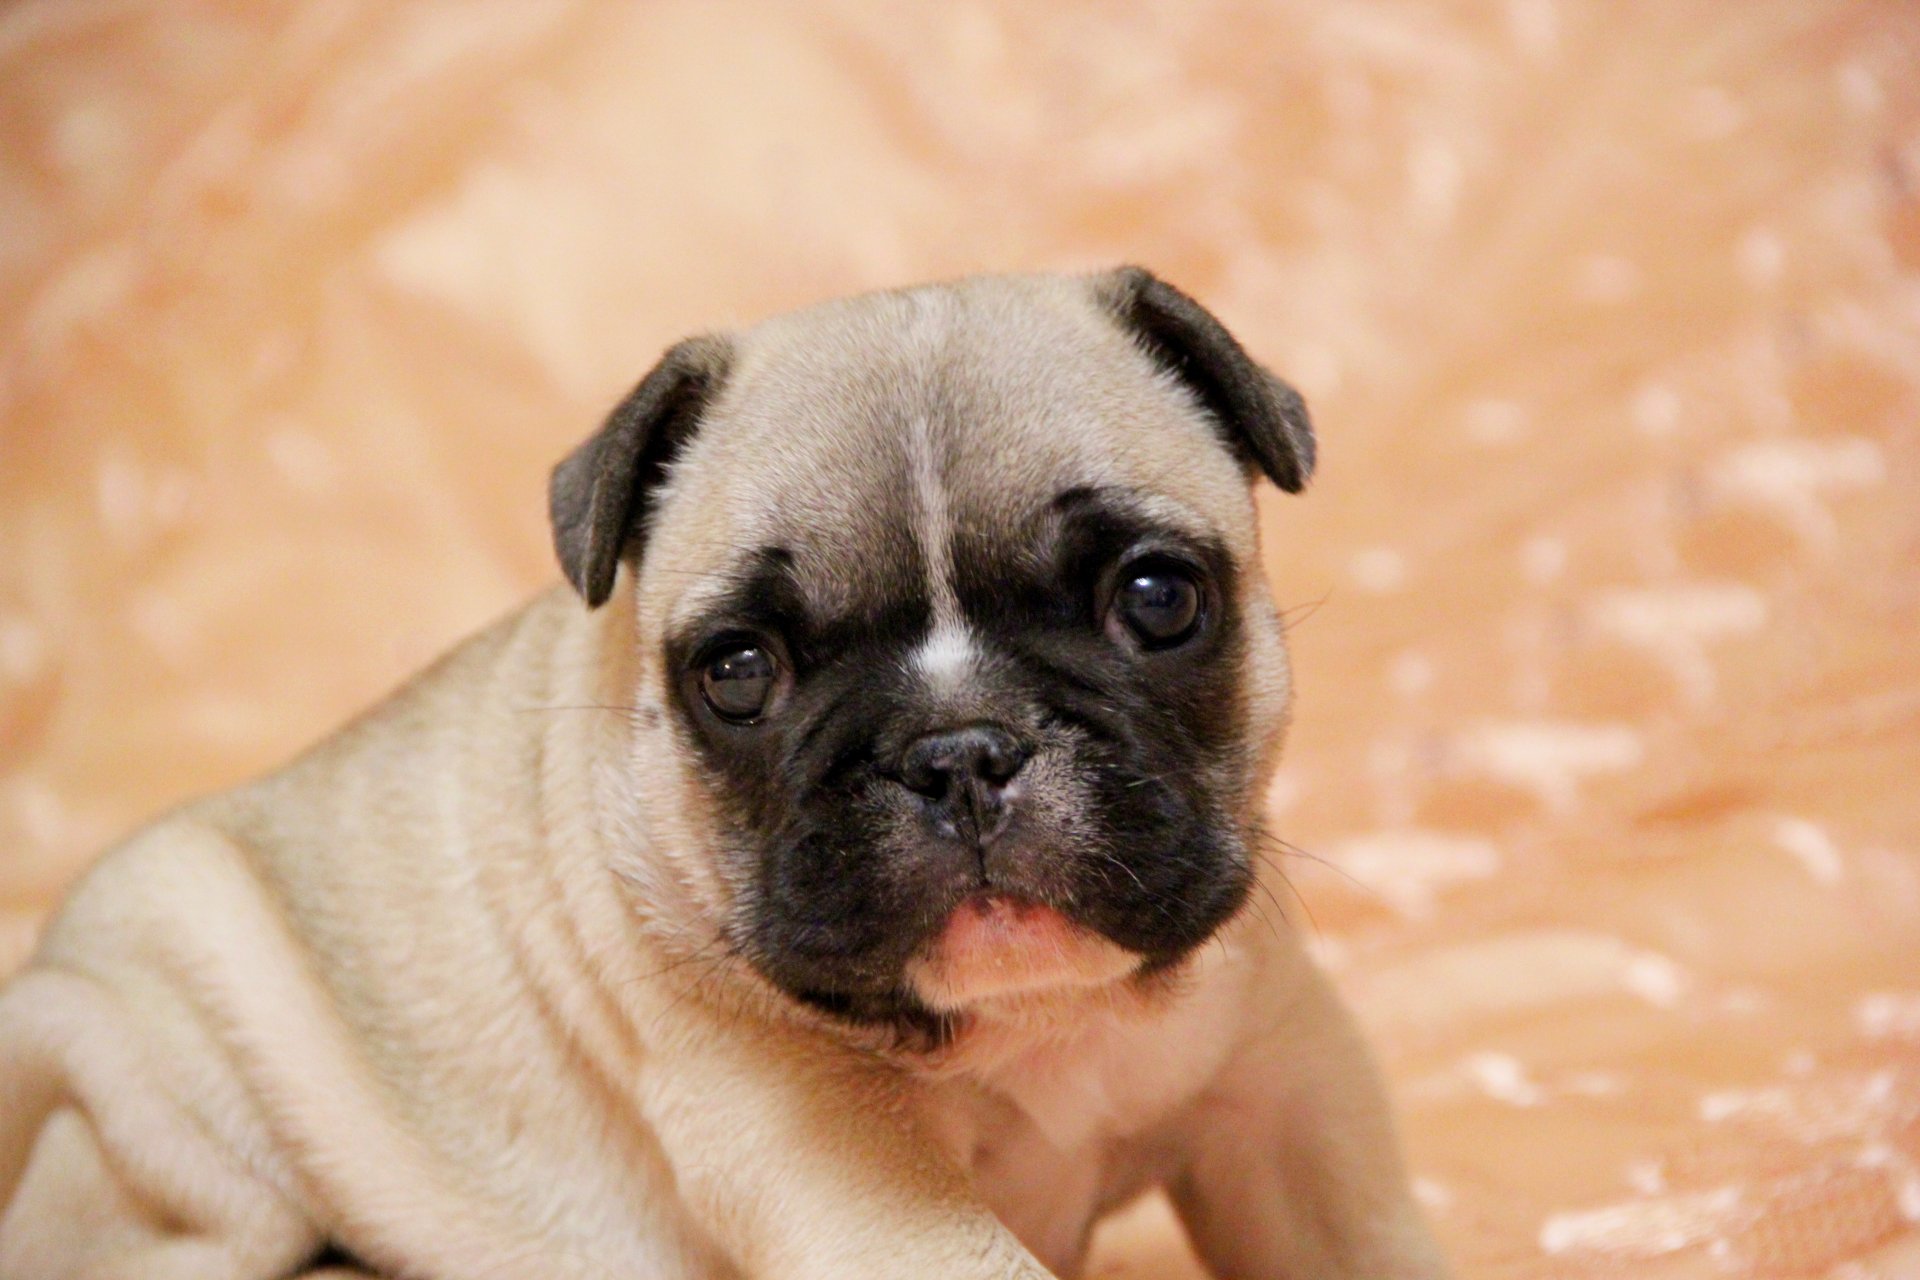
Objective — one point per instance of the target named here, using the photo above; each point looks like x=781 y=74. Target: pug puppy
x=856 y=873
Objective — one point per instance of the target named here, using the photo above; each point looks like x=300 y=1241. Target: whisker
x=699 y=953
x=1293 y=850
x=1312 y=921
x=1306 y=610
x=1259 y=909
x=706 y=975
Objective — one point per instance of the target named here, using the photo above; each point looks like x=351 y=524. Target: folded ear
x=1263 y=419
x=599 y=495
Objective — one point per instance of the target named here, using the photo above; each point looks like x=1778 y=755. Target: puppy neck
x=992 y=1037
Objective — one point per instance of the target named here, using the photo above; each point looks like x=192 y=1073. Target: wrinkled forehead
x=865 y=437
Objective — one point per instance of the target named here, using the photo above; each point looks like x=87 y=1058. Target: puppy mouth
x=998 y=945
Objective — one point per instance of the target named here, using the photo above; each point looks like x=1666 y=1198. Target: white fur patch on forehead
x=947 y=656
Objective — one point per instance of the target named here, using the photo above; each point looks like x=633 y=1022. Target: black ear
x=1264 y=420
x=598 y=494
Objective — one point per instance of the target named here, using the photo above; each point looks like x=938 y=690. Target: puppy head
x=948 y=597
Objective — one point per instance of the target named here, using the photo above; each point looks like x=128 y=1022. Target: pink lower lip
x=992 y=925
x=994 y=945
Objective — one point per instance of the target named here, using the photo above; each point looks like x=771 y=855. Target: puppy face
x=949 y=598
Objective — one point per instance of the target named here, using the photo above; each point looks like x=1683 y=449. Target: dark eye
x=738 y=682
x=1159 y=603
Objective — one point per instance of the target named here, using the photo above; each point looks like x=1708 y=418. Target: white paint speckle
x=1549 y=758
x=1434 y=1196
x=1655 y=410
x=1494 y=422
x=1811 y=847
x=1648 y=1177
x=120 y=495
x=1908 y=1197
x=1656 y=979
x=1410 y=674
x=1839 y=1106
x=1391 y=766
x=94 y=284
x=1789 y=478
x=1860 y=89
x=1595 y=1084
x=1500 y=977
x=1434 y=176
x=1711 y=113
x=1503 y=1078
x=1284 y=790
x=1535 y=26
x=23 y=651
x=1411 y=867
x=1724 y=1104
x=172 y=495
x=1900 y=1169
x=1379 y=570
x=1605 y=279
x=1327 y=951
x=38 y=810
x=1543 y=559
x=1888 y=1015
x=1675 y=624
x=1762 y=256
x=160 y=620
x=90 y=141
x=1643 y=1228
x=302 y=459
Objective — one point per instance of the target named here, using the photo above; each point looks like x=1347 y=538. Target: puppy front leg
x=1294 y=1168
x=101 y=1172
x=808 y=1161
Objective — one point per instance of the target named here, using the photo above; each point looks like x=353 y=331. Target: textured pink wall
x=1608 y=749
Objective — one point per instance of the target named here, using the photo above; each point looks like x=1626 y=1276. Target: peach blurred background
x=1608 y=745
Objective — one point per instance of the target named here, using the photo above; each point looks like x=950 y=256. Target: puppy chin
x=995 y=947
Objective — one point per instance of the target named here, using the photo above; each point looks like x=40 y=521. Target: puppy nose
x=972 y=764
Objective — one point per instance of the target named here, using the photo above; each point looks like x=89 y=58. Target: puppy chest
x=1048 y=1196
x=1062 y=1138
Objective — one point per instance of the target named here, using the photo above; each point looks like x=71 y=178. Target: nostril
x=999 y=759
x=928 y=776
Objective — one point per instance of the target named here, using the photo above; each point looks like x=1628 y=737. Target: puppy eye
x=1159 y=603
x=738 y=682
